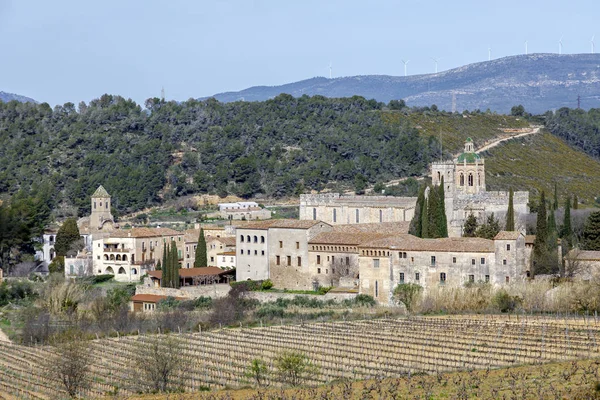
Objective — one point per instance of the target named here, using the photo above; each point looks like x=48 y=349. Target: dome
x=469 y=157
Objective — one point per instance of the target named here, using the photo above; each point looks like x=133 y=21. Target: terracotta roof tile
x=152 y=298
x=382 y=227
x=584 y=255
x=529 y=239
x=281 y=223
x=507 y=235
x=191 y=272
x=346 y=238
x=144 y=232
x=413 y=243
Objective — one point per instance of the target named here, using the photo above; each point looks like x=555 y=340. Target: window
x=417 y=276
x=318 y=259
x=357 y=216
x=347 y=260
x=318 y=270
x=376 y=263
x=277 y=260
x=255 y=252
x=289 y=260
x=326 y=271
x=262 y=239
x=453 y=260
x=482 y=260
x=98 y=257
x=462 y=180
x=380 y=216
x=376 y=289
x=471 y=278
x=332 y=259
x=472 y=261
x=106 y=205
x=248 y=238
x=100 y=204
x=297 y=245
x=507 y=279
x=314 y=213
x=433 y=261
x=255 y=239
x=334 y=215
x=212 y=259
x=487 y=278
x=242 y=251
x=442 y=277
x=281 y=244
x=299 y=261
x=262 y=252
x=412 y=259
x=470 y=179
x=503 y=262
x=401 y=277
x=508 y=247
x=94 y=205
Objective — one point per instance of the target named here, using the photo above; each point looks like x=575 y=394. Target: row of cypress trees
x=430 y=220
x=170 y=266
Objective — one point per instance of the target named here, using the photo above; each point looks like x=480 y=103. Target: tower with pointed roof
x=470 y=171
x=100 y=215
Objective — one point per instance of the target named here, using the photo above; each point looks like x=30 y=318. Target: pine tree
x=201 y=259
x=66 y=236
x=490 y=229
x=415 y=223
x=424 y=220
x=443 y=224
x=567 y=231
x=165 y=267
x=174 y=265
x=575 y=202
x=470 y=227
x=510 y=214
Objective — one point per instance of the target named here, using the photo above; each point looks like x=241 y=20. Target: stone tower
x=100 y=209
x=470 y=171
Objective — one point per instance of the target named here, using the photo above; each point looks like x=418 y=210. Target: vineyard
x=342 y=350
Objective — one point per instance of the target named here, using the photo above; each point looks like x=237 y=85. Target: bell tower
x=100 y=208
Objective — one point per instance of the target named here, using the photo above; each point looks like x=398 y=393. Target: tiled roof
x=228 y=241
x=413 y=243
x=151 y=298
x=281 y=223
x=529 y=239
x=381 y=227
x=507 y=235
x=101 y=193
x=584 y=255
x=191 y=272
x=377 y=201
x=346 y=238
x=144 y=232
x=227 y=253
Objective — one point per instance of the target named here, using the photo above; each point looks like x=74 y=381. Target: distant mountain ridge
x=540 y=82
x=6 y=97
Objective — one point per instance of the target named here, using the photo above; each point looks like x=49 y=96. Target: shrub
x=408 y=294
x=101 y=278
x=270 y=311
x=504 y=301
x=294 y=367
x=251 y=286
x=363 y=300
x=324 y=289
x=266 y=285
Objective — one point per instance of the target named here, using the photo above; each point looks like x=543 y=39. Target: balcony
x=114 y=250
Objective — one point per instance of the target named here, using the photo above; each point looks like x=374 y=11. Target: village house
x=195 y=276
x=226 y=260
x=243 y=210
x=147 y=302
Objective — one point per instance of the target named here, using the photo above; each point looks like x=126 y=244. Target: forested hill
x=276 y=148
x=540 y=82
x=6 y=97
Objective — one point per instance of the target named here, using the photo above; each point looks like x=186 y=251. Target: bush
x=505 y=302
x=251 y=286
x=362 y=300
x=324 y=289
x=266 y=285
x=270 y=311
x=294 y=368
x=101 y=278
x=408 y=294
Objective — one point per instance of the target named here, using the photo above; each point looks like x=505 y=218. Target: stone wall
x=189 y=292
x=264 y=297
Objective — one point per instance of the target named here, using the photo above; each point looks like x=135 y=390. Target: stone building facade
x=465 y=192
x=336 y=209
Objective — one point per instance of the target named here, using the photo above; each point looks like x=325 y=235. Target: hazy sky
x=72 y=50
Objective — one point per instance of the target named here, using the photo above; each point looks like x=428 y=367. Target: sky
x=74 y=50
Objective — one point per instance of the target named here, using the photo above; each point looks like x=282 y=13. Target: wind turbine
x=526 y=47
x=560 y=46
x=329 y=69
x=435 y=60
x=489 y=54
x=592 y=42
x=405 y=63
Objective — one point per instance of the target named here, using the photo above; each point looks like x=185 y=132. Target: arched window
x=255 y=239
x=262 y=239
x=112 y=257
x=242 y=238
x=478 y=179
x=470 y=179
x=314 y=213
x=248 y=238
x=462 y=179
x=121 y=271
x=133 y=271
x=118 y=258
x=439 y=176
x=380 y=215
x=124 y=257
x=109 y=270
x=106 y=257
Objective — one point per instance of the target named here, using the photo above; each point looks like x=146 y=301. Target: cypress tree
x=165 y=267
x=443 y=224
x=432 y=214
x=540 y=249
x=551 y=222
x=158 y=266
x=510 y=214
x=591 y=232
x=67 y=234
x=555 y=205
x=424 y=220
x=174 y=265
x=201 y=259
x=567 y=230
x=575 y=202
x=415 y=223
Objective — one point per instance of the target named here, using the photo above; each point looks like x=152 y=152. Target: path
x=3 y=337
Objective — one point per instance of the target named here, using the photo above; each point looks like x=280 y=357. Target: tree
x=575 y=202
x=433 y=228
x=408 y=294
x=443 y=221
x=360 y=184
x=489 y=229
x=517 y=111
x=71 y=362
x=591 y=232
x=67 y=234
x=294 y=368
x=510 y=214
x=470 y=228
x=174 y=266
x=158 y=360
x=567 y=231
x=166 y=270
x=551 y=222
x=425 y=219
x=555 y=203
x=201 y=259
x=540 y=244
x=258 y=371
x=415 y=223
x=343 y=268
